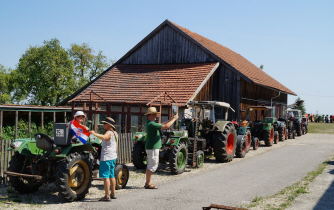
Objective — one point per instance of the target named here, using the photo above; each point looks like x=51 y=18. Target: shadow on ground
x=327 y=199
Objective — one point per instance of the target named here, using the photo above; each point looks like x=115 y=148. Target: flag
x=79 y=131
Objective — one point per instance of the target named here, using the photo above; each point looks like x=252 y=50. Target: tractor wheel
x=122 y=176
x=178 y=158
x=282 y=134
x=225 y=144
x=285 y=133
x=74 y=176
x=23 y=185
x=241 y=149
x=299 y=130
x=293 y=134
x=276 y=137
x=248 y=140
x=199 y=159
x=269 y=137
x=255 y=143
x=139 y=156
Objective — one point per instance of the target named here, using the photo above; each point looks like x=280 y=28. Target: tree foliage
x=87 y=65
x=5 y=85
x=47 y=74
x=44 y=74
x=299 y=104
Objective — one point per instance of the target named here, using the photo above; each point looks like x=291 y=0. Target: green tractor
x=174 y=150
x=209 y=125
x=62 y=160
x=263 y=130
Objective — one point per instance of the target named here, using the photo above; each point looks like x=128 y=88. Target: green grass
x=287 y=196
x=327 y=128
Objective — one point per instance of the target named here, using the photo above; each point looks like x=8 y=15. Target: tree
x=87 y=65
x=299 y=104
x=5 y=87
x=44 y=75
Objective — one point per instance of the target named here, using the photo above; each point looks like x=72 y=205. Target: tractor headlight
x=15 y=144
x=138 y=136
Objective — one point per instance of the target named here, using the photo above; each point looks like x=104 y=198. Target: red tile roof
x=237 y=61
x=142 y=83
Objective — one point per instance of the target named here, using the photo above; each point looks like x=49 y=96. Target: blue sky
x=294 y=40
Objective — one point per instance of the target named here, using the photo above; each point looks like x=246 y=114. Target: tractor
x=62 y=160
x=209 y=124
x=295 y=115
x=263 y=128
x=174 y=150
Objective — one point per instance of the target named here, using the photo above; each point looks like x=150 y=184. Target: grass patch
x=321 y=128
x=284 y=198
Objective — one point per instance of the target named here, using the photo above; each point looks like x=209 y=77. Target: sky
x=292 y=39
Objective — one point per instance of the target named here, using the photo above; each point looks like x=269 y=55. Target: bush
x=23 y=130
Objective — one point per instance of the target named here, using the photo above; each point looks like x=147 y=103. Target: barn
x=173 y=65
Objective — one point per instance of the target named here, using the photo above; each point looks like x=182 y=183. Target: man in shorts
x=153 y=143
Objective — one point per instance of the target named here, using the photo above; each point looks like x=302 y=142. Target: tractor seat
x=44 y=142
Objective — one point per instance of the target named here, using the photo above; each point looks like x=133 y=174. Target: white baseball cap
x=79 y=113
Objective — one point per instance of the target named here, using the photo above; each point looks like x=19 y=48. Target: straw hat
x=79 y=113
x=110 y=121
x=152 y=110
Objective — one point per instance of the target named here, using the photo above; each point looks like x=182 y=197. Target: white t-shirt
x=108 y=151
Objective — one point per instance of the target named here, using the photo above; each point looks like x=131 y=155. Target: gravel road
x=262 y=172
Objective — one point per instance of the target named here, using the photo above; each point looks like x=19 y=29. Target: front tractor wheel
x=225 y=144
x=21 y=164
x=255 y=143
x=178 y=158
x=74 y=176
x=276 y=137
x=122 y=176
x=139 y=156
x=269 y=137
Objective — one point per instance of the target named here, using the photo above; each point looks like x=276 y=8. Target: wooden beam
x=65 y=119
x=1 y=122
x=54 y=117
x=29 y=123
x=16 y=122
x=42 y=120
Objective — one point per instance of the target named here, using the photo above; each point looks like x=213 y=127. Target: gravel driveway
x=262 y=172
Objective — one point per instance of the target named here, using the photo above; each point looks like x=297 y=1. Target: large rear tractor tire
x=269 y=137
x=23 y=185
x=225 y=144
x=74 y=176
x=122 y=176
x=139 y=156
x=299 y=130
x=178 y=158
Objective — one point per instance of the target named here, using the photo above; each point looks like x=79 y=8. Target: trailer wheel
x=74 y=176
x=178 y=158
x=139 y=156
x=255 y=143
x=269 y=137
x=122 y=176
x=23 y=185
x=225 y=144
x=199 y=159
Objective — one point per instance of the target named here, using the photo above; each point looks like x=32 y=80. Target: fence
x=124 y=153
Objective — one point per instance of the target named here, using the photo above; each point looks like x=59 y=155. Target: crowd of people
x=321 y=118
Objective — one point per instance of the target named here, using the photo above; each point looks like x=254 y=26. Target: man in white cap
x=153 y=143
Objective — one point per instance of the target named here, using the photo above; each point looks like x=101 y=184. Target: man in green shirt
x=153 y=143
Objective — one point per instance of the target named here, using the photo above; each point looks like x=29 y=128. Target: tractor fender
x=220 y=125
x=139 y=136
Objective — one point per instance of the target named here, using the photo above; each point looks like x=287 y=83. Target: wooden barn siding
x=226 y=87
x=168 y=47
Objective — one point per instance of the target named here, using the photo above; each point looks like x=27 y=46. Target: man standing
x=153 y=143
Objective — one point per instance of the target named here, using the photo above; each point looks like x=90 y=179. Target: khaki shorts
x=152 y=159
